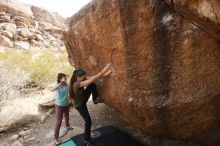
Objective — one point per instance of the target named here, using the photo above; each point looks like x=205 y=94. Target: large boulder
x=7 y=33
x=4 y=41
x=39 y=37
x=47 y=100
x=5 y=17
x=9 y=27
x=24 y=32
x=33 y=30
x=19 y=38
x=166 y=63
x=6 y=26
x=2 y=13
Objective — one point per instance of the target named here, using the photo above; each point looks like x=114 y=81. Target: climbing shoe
x=98 y=100
x=56 y=141
x=87 y=143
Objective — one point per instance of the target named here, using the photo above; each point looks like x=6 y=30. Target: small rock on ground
x=14 y=137
x=17 y=143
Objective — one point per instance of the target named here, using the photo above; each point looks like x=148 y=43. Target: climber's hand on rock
x=106 y=68
x=107 y=73
x=108 y=64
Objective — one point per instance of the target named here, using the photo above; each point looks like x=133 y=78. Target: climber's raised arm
x=104 y=75
x=96 y=77
x=107 y=73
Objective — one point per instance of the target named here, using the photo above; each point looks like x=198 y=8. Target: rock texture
x=202 y=13
x=24 y=26
x=167 y=61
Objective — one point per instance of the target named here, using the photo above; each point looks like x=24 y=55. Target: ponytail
x=72 y=81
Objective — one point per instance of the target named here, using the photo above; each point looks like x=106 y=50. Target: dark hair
x=76 y=73
x=60 y=76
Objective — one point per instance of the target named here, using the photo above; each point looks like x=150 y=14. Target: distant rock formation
x=24 y=26
x=166 y=55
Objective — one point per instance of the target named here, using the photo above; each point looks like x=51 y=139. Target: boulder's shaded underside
x=166 y=55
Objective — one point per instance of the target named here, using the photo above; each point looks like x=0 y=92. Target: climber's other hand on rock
x=108 y=64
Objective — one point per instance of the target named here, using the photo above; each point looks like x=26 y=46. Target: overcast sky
x=65 y=8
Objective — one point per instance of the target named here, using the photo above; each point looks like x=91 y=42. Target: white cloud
x=65 y=8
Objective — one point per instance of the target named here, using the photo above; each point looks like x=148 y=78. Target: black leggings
x=83 y=110
x=91 y=89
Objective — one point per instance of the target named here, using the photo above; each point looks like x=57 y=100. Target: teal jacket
x=61 y=98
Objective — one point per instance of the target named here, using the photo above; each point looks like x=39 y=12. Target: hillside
x=26 y=27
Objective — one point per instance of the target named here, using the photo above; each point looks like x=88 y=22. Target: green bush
x=39 y=68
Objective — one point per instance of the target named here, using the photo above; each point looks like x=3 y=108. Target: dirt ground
x=41 y=134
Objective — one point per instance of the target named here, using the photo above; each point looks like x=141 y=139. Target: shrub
x=40 y=68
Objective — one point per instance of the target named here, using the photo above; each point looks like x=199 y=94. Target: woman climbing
x=61 y=105
x=81 y=88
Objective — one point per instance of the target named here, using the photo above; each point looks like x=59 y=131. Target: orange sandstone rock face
x=167 y=66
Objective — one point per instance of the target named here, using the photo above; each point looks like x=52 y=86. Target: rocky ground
x=39 y=132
